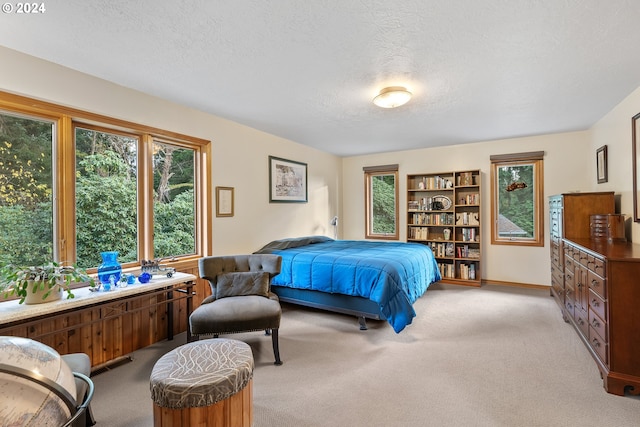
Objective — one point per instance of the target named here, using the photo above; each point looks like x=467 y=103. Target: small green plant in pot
x=48 y=280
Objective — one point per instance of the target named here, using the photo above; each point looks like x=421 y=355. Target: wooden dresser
x=602 y=301
x=595 y=283
x=570 y=217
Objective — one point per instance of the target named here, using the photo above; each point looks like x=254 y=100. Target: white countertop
x=11 y=311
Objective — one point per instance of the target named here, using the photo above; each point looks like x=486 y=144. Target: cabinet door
x=581 y=287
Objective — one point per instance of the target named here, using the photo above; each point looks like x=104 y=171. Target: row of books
x=446 y=270
x=468 y=271
x=431 y=219
x=441 y=250
x=466 y=252
x=419 y=233
x=434 y=183
x=469 y=234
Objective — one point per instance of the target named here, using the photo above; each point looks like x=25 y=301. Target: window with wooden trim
x=517 y=208
x=381 y=202
x=74 y=184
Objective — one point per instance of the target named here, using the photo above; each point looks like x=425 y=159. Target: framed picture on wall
x=287 y=181
x=224 y=201
x=601 y=164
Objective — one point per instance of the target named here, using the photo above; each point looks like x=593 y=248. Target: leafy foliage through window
x=70 y=190
x=381 y=195
x=517 y=199
x=26 y=190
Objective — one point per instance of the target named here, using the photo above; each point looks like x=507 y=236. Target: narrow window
x=26 y=189
x=516 y=193
x=106 y=195
x=174 y=200
x=381 y=198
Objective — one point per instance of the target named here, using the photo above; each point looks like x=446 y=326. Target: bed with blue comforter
x=379 y=280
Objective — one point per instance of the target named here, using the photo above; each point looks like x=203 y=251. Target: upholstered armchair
x=241 y=299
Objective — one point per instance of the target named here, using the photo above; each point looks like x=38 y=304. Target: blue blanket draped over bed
x=393 y=274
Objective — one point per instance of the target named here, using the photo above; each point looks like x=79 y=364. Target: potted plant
x=41 y=283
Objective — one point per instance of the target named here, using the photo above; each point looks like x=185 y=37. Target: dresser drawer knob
x=595 y=303
x=595 y=323
x=595 y=342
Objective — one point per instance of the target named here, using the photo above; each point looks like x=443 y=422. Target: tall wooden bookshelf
x=444 y=214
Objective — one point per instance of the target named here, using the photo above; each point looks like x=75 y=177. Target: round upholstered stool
x=204 y=383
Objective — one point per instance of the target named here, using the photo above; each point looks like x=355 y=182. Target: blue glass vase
x=110 y=270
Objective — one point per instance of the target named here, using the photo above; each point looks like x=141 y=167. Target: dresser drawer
x=582 y=320
x=568 y=302
x=599 y=345
x=599 y=325
x=569 y=280
x=583 y=257
x=569 y=264
x=599 y=267
x=610 y=226
x=597 y=304
x=597 y=284
x=557 y=273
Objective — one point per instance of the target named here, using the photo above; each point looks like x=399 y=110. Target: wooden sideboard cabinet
x=569 y=216
x=107 y=325
x=602 y=302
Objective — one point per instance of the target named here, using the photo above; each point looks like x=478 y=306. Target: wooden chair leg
x=276 y=348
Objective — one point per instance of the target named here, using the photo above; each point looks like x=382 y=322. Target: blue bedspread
x=393 y=274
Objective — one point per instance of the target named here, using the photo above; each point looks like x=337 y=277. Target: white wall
x=239 y=153
x=566 y=162
x=336 y=186
x=614 y=131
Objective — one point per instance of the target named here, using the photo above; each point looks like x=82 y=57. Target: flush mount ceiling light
x=392 y=97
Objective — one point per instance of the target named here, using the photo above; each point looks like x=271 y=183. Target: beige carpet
x=494 y=356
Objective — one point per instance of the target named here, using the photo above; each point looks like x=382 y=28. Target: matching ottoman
x=204 y=383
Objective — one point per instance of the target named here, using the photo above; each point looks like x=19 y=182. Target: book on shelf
x=419 y=233
x=423 y=218
x=470 y=199
x=446 y=270
x=468 y=234
x=464 y=251
x=468 y=271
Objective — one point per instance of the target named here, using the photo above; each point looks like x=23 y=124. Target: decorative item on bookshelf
x=443 y=201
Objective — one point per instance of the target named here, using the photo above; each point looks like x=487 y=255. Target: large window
x=381 y=198
x=516 y=193
x=26 y=189
x=106 y=195
x=174 y=200
x=74 y=184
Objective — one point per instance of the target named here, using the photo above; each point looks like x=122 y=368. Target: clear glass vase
x=110 y=270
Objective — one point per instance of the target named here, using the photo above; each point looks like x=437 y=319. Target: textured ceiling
x=307 y=71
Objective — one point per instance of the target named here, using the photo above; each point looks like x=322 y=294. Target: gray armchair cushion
x=242 y=284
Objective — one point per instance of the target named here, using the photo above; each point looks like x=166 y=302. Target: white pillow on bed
x=242 y=284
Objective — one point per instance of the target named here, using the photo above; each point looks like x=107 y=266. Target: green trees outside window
x=115 y=205
x=381 y=198
x=516 y=192
x=26 y=190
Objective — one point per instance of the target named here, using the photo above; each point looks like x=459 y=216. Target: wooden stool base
x=236 y=411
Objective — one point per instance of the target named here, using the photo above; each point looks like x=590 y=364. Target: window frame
x=65 y=121
x=536 y=159
x=369 y=173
